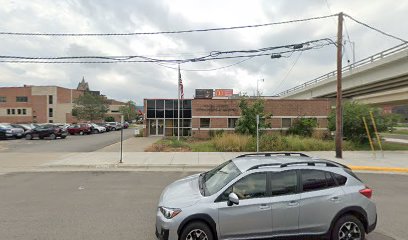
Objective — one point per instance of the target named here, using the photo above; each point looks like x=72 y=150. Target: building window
x=286 y=122
x=114 y=111
x=19 y=111
x=232 y=122
x=21 y=99
x=50 y=112
x=13 y=111
x=204 y=123
x=50 y=99
x=50 y=121
x=24 y=111
x=3 y=99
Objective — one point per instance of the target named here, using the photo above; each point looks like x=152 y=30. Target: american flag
x=181 y=89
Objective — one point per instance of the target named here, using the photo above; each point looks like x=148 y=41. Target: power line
x=287 y=74
x=376 y=29
x=164 y=32
x=214 y=55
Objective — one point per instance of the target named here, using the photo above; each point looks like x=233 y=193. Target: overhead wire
x=164 y=32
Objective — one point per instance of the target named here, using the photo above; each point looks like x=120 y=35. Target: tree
x=90 y=107
x=129 y=111
x=303 y=127
x=353 y=125
x=247 y=122
x=109 y=119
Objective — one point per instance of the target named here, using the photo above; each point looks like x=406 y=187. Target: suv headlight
x=169 y=213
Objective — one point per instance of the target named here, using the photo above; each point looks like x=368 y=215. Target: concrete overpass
x=381 y=79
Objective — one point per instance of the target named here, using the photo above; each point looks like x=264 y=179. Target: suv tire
x=81 y=133
x=200 y=230
x=29 y=137
x=113 y=129
x=348 y=226
x=53 y=136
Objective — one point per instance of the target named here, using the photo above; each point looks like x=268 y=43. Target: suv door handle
x=335 y=199
x=264 y=207
x=293 y=203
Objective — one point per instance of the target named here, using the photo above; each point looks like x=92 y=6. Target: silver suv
x=268 y=195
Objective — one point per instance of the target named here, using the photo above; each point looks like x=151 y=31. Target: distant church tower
x=82 y=85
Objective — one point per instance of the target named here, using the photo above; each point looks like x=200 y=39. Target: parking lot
x=73 y=143
x=122 y=205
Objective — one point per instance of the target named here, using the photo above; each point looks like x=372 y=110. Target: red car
x=80 y=129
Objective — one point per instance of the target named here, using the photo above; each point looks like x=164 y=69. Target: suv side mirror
x=233 y=199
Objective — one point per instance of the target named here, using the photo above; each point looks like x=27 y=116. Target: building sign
x=223 y=92
x=204 y=93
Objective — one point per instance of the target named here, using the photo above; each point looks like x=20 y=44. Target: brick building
x=200 y=116
x=43 y=104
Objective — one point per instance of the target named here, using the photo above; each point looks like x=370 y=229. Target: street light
x=257 y=85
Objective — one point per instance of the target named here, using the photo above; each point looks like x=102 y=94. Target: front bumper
x=163 y=234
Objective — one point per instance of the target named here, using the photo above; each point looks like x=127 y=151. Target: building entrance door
x=156 y=127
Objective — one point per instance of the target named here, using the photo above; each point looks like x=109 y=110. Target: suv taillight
x=367 y=192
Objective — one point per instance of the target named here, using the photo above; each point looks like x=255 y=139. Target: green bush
x=303 y=127
x=233 y=143
x=109 y=119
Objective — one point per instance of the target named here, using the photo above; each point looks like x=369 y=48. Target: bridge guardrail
x=362 y=62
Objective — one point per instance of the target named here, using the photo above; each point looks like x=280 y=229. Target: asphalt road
x=73 y=143
x=122 y=205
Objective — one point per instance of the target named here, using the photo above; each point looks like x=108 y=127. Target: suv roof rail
x=312 y=163
x=309 y=163
x=268 y=154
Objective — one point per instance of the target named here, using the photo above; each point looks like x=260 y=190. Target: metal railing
x=350 y=67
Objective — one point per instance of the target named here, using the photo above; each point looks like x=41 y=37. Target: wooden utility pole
x=339 y=110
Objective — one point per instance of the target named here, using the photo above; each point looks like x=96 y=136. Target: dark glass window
x=50 y=112
x=186 y=113
x=13 y=111
x=24 y=111
x=19 y=111
x=330 y=180
x=3 y=99
x=169 y=113
x=286 y=122
x=186 y=123
x=313 y=180
x=169 y=104
x=187 y=104
x=204 y=122
x=151 y=114
x=50 y=99
x=232 y=122
x=159 y=113
x=341 y=180
x=159 y=104
x=283 y=183
x=21 y=99
x=8 y=111
x=151 y=104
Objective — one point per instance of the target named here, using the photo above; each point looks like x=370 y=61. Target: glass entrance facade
x=162 y=117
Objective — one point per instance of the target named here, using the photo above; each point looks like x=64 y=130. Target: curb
x=379 y=169
x=201 y=167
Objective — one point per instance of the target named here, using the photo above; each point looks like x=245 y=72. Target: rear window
x=313 y=180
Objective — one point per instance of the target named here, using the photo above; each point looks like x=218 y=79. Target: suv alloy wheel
x=196 y=231
x=348 y=227
x=29 y=137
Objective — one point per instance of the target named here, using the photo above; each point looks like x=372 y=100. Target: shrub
x=109 y=119
x=303 y=127
x=233 y=143
x=215 y=133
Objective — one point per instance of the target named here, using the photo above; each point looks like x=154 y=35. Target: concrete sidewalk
x=393 y=161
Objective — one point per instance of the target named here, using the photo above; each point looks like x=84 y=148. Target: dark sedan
x=46 y=131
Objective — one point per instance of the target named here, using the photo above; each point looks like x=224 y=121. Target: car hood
x=181 y=193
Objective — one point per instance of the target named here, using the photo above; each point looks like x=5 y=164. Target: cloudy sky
x=135 y=81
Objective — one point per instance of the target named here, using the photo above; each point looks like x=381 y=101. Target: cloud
x=135 y=81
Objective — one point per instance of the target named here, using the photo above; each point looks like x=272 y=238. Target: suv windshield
x=218 y=177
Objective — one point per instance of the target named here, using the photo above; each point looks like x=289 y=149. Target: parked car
x=105 y=125
x=97 y=128
x=46 y=131
x=25 y=127
x=81 y=129
x=5 y=132
x=125 y=125
x=268 y=195
x=114 y=126
x=15 y=132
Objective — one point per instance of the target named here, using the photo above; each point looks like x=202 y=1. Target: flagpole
x=178 y=104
